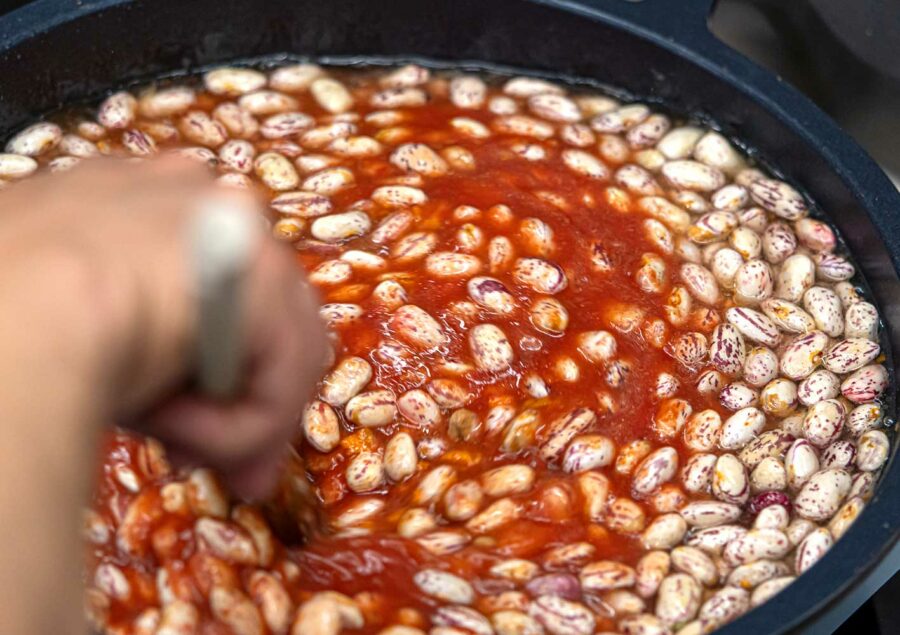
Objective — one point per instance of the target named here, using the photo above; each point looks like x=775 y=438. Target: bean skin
x=512 y=272
x=490 y=348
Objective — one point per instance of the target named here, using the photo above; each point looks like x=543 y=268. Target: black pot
x=55 y=52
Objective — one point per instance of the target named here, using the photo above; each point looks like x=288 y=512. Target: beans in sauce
x=593 y=370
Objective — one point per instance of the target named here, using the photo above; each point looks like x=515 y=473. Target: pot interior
x=59 y=58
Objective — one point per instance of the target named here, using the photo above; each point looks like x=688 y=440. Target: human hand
x=109 y=244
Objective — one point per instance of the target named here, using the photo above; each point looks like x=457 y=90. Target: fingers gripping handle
x=224 y=238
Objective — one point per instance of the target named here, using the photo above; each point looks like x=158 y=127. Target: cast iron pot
x=54 y=52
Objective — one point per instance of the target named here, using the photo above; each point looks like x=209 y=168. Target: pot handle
x=684 y=22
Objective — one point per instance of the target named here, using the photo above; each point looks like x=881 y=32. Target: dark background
x=845 y=55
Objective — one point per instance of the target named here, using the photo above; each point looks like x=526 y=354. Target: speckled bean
x=704 y=514
x=779 y=198
x=821 y=495
x=797 y=274
x=866 y=384
x=345 y=381
x=873 y=449
x=741 y=427
x=811 y=549
x=803 y=354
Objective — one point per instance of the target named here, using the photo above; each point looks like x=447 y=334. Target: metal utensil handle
x=223 y=238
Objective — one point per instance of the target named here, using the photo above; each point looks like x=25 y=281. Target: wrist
x=53 y=356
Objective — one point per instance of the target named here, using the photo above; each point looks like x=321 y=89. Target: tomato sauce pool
x=590 y=223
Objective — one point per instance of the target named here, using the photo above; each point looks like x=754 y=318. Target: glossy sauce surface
x=585 y=217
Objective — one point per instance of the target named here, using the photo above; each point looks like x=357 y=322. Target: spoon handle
x=222 y=243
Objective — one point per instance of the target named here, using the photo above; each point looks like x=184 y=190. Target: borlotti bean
x=595 y=371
